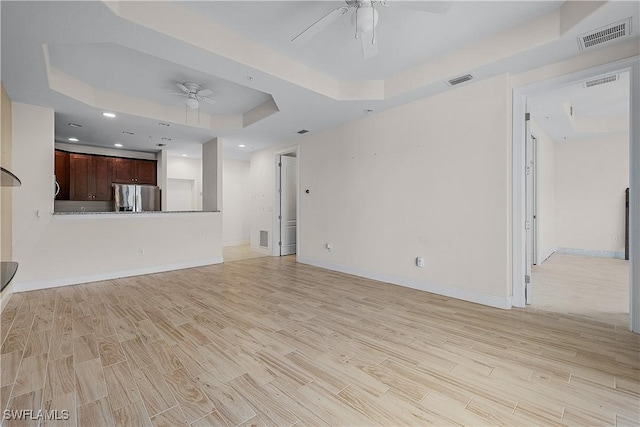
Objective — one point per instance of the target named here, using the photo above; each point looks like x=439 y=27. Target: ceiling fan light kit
x=365 y=20
x=195 y=93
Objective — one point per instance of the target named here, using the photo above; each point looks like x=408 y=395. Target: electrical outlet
x=140 y=251
x=420 y=262
x=328 y=246
x=615 y=239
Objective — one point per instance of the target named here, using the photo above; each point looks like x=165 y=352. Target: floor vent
x=601 y=81
x=458 y=80
x=264 y=239
x=605 y=34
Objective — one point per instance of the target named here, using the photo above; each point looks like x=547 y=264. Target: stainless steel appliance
x=136 y=198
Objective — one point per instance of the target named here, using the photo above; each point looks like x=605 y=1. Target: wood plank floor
x=268 y=341
x=240 y=252
x=597 y=288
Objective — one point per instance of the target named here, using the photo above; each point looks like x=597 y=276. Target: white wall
x=546 y=216
x=189 y=169
x=430 y=178
x=591 y=176
x=236 y=202
x=58 y=250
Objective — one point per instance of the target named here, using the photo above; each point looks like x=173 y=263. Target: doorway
x=181 y=195
x=286 y=217
x=528 y=246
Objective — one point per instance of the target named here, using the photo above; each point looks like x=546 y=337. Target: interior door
x=529 y=207
x=288 y=212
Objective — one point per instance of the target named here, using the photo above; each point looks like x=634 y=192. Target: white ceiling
x=140 y=49
x=597 y=110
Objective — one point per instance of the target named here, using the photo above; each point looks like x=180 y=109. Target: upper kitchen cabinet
x=62 y=175
x=127 y=171
x=90 y=177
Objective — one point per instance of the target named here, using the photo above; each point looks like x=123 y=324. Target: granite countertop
x=128 y=213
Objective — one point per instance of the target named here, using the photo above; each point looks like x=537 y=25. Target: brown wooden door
x=145 y=172
x=101 y=178
x=123 y=171
x=79 y=177
x=62 y=174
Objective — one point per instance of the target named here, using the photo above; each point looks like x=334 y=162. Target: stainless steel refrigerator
x=136 y=198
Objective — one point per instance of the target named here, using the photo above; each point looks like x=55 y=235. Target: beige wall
x=429 y=179
x=546 y=216
x=59 y=250
x=236 y=200
x=6 y=251
x=591 y=176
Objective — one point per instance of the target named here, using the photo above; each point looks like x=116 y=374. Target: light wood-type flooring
x=268 y=341
x=597 y=288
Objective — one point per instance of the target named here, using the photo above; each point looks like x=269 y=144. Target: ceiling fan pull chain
x=357 y=21
x=373 y=23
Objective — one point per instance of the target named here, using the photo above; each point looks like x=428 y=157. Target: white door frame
x=275 y=238
x=518 y=166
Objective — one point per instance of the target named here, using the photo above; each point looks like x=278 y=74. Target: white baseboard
x=591 y=252
x=462 y=294
x=235 y=243
x=262 y=250
x=66 y=281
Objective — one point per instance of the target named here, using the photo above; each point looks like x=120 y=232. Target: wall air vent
x=605 y=34
x=601 y=81
x=458 y=80
x=303 y=131
x=264 y=239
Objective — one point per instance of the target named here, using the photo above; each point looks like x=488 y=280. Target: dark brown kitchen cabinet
x=90 y=177
x=134 y=171
x=62 y=174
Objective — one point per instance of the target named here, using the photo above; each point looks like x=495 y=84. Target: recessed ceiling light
x=241 y=145
x=75 y=125
x=110 y=115
x=164 y=124
x=184 y=155
x=73 y=139
x=127 y=132
x=118 y=145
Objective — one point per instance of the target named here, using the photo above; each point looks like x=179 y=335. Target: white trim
x=461 y=294
x=262 y=250
x=275 y=248
x=66 y=281
x=591 y=252
x=519 y=98
x=235 y=243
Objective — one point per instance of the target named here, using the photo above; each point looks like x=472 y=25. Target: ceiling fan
x=366 y=19
x=195 y=93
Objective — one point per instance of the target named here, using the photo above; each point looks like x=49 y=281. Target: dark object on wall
x=7 y=268
x=626 y=225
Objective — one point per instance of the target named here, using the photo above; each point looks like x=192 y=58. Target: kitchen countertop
x=129 y=213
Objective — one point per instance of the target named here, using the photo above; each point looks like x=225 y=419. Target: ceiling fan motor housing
x=366 y=17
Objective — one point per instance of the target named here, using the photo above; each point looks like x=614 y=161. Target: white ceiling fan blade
x=438 y=7
x=369 y=50
x=205 y=92
x=182 y=87
x=179 y=94
x=209 y=100
x=319 y=25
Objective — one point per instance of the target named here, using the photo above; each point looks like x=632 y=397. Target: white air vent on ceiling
x=601 y=81
x=458 y=80
x=605 y=34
